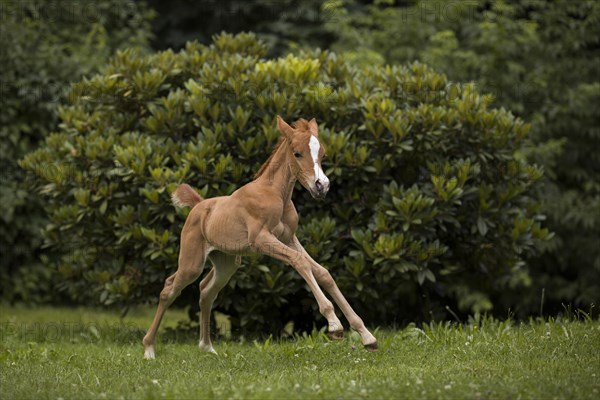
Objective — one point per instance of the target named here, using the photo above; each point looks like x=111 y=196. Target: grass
x=81 y=353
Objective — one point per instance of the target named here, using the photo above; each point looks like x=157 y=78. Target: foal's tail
x=185 y=196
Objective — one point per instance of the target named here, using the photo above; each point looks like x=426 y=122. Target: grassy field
x=81 y=353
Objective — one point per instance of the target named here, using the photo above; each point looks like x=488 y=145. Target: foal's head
x=305 y=154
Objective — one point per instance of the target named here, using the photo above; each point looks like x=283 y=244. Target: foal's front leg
x=326 y=280
x=295 y=256
x=335 y=329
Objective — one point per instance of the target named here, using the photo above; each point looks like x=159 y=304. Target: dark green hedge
x=429 y=205
x=46 y=45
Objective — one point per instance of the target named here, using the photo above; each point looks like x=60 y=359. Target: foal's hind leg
x=224 y=266
x=191 y=261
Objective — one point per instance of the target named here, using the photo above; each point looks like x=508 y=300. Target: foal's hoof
x=336 y=335
x=371 y=348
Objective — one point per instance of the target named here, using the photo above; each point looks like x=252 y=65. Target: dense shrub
x=46 y=45
x=540 y=59
x=429 y=204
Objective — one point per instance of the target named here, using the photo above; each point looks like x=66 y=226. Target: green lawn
x=82 y=353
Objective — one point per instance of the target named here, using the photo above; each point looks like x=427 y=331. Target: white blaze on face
x=315 y=146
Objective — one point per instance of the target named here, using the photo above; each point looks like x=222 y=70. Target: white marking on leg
x=335 y=326
x=149 y=353
x=207 y=348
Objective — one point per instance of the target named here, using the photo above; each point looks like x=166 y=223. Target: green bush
x=540 y=60
x=429 y=204
x=46 y=45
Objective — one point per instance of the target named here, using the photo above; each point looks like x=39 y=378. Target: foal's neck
x=278 y=173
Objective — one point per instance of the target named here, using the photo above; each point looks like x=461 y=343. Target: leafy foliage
x=428 y=201
x=281 y=24
x=570 y=268
x=540 y=59
x=46 y=45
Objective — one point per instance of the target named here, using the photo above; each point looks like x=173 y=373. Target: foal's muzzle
x=320 y=189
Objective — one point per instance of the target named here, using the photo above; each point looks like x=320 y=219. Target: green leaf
x=103 y=207
x=481 y=226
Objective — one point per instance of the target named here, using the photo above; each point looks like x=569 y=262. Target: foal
x=259 y=217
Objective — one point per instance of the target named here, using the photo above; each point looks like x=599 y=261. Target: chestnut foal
x=259 y=217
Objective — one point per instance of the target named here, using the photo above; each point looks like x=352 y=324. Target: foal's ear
x=312 y=127
x=284 y=128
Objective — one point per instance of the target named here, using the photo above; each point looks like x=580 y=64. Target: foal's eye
x=297 y=154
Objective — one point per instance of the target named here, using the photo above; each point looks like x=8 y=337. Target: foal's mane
x=301 y=125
